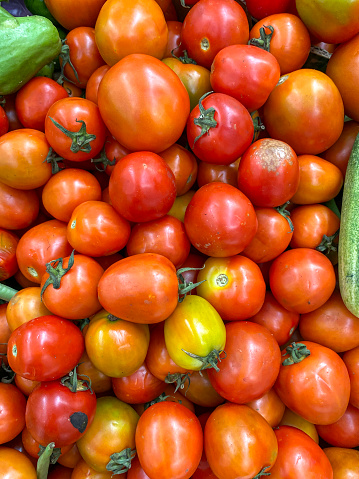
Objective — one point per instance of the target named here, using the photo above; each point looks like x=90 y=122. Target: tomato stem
x=326 y=245
x=206 y=119
x=54 y=160
x=44 y=460
x=286 y=214
x=297 y=352
x=121 y=461
x=57 y=272
x=179 y=379
x=65 y=57
x=209 y=361
x=183 y=287
x=264 y=40
x=6 y=292
x=262 y=473
x=80 y=139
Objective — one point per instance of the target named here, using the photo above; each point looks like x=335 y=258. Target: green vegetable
x=348 y=252
x=27 y=44
x=38 y=7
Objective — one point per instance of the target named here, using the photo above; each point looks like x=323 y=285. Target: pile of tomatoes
x=169 y=221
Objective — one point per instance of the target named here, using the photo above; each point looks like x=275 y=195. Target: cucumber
x=348 y=250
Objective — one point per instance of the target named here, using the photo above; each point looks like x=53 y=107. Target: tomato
x=12 y=405
x=39 y=245
x=268 y=173
x=139 y=387
x=298 y=454
x=60 y=472
x=280 y=322
x=223 y=209
x=82 y=469
x=67 y=189
x=240 y=379
x=111 y=431
x=169 y=441
x=339 y=153
x=4 y=122
x=116 y=347
x=314 y=225
x=96 y=229
x=165 y=236
x=269 y=406
x=84 y=56
x=142 y=288
x=70 y=458
x=23 y=155
x=301 y=99
x=13 y=122
x=262 y=8
x=136 y=471
x=8 y=245
x=302 y=279
x=331 y=21
x=94 y=81
x=212 y=25
x=245 y=72
x=16 y=465
x=290 y=418
x=219 y=119
x=180 y=204
x=351 y=360
x=344 y=432
x=26 y=386
x=239 y=442
x=210 y=172
x=25 y=305
x=32 y=447
x=70 y=15
x=50 y=356
x=319 y=180
x=143 y=103
x=74 y=129
x=200 y=391
x=183 y=165
x=100 y=382
x=142 y=187
x=35 y=98
x=5 y=331
x=288 y=39
x=72 y=90
x=344 y=72
x=317 y=387
x=233 y=285
x=345 y=462
x=174 y=39
x=194 y=77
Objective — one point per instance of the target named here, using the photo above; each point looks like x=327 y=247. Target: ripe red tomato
x=239 y=378
x=269 y=406
x=70 y=15
x=313 y=382
x=169 y=441
x=183 y=165
x=143 y=103
x=25 y=305
x=93 y=83
x=351 y=360
x=4 y=121
x=339 y=153
x=219 y=119
x=50 y=357
x=220 y=220
x=12 y=405
x=8 y=263
x=142 y=187
x=344 y=432
x=262 y=8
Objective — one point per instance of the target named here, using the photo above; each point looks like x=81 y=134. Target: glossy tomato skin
x=25 y=305
x=142 y=187
x=245 y=72
x=4 y=122
x=142 y=288
x=100 y=382
x=268 y=173
x=351 y=360
x=302 y=279
x=29 y=110
x=70 y=15
x=318 y=387
x=223 y=209
x=123 y=28
x=200 y=390
x=344 y=432
x=238 y=442
x=93 y=83
x=263 y=8
x=143 y=103
x=270 y=406
x=239 y=378
x=50 y=357
x=169 y=441
x=298 y=454
x=12 y=404
x=18 y=208
x=344 y=461
x=210 y=172
x=183 y=165
x=8 y=263
x=16 y=464
x=56 y=414
x=339 y=153
x=290 y=418
x=326 y=112
x=212 y=25
x=233 y=285
x=233 y=127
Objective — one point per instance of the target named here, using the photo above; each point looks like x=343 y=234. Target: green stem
x=121 y=461
x=56 y=271
x=179 y=379
x=183 y=287
x=297 y=352
x=264 y=40
x=286 y=214
x=206 y=119
x=209 y=361
x=43 y=462
x=6 y=292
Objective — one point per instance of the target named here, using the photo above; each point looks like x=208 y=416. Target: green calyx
x=179 y=379
x=80 y=139
x=56 y=272
x=210 y=361
x=206 y=119
x=297 y=352
x=262 y=473
x=327 y=244
x=185 y=287
x=264 y=40
x=120 y=462
x=75 y=384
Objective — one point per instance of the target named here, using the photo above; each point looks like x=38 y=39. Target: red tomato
x=136 y=471
x=8 y=263
x=223 y=209
x=84 y=57
x=200 y=391
x=166 y=236
x=313 y=382
x=70 y=15
x=60 y=411
x=5 y=330
x=210 y=172
x=100 y=382
x=345 y=462
x=298 y=454
x=262 y=8
x=96 y=229
x=50 y=357
x=74 y=129
x=344 y=432
x=233 y=285
x=216 y=121
x=269 y=406
x=69 y=286
x=26 y=386
x=93 y=83
x=301 y=99
x=183 y=165
x=351 y=360
x=302 y=279
x=239 y=442
x=35 y=98
x=12 y=405
x=142 y=187
x=339 y=153
x=169 y=441
x=174 y=39
x=268 y=173
x=4 y=121
x=211 y=25
x=143 y=103
x=245 y=72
